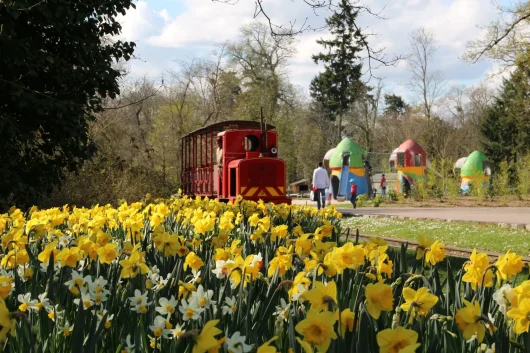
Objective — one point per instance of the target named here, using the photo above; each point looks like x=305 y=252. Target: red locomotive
x=232 y=158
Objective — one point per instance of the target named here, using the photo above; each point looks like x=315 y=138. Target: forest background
x=137 y=132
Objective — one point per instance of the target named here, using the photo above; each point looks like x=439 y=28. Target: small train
x=232 y=158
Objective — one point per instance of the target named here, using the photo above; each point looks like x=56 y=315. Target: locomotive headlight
x=274 y=150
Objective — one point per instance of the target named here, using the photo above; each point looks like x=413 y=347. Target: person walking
x=383 y=185
x=353 y=193
x=320 y=183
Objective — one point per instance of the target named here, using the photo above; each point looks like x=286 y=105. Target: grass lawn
x=464 y=235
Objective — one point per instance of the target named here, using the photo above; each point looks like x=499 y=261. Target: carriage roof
x=229 y=125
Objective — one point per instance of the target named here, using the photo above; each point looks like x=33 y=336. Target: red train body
x=250 y=167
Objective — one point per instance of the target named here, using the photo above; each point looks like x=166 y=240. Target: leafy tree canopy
x=56 y=67
x=395 y=106
x=335 y=88
x=506 y=126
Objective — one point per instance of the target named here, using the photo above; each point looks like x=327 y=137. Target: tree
x=505 y=39
x=261 y=62
x=364 y=114
x=395 y=106
x=507 y=123
x=336 y=88
x=424 y=81
x=56 y=68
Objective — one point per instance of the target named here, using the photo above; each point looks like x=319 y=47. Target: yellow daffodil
x=418 y=302
x=5 y=321
x=509 y=265
x=265 y=348
x=469 y=320
x=347 y=318
x=423 y=244
x=107 y=253
x=206 y=339
x=322 y=297
x=193 y=261
x=134 y=264
x=477 y=270
x=399 y=340
x=69 y=256
x=521 y=315
x=435 y=254
x=317 y=329
x=378 y=298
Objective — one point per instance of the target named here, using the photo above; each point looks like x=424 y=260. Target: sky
x=169 y=31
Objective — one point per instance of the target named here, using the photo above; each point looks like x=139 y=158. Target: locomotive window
x=251 y=143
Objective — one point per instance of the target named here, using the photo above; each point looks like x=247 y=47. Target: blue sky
x=178 y=30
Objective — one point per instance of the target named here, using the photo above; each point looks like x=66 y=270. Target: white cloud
x=202 y=23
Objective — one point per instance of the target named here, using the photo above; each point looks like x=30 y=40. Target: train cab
x=234 y=158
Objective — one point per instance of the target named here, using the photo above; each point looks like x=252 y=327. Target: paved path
x=480 y=214
x=507 y=215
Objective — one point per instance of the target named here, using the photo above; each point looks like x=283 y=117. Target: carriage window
x=251 y=143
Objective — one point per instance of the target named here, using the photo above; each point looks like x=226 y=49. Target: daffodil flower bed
x=196 y=275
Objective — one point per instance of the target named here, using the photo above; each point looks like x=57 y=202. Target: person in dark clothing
x=353 y=192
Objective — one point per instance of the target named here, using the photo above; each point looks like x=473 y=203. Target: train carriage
x=249 y=168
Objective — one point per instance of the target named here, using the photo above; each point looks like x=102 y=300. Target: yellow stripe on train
x=272 y=191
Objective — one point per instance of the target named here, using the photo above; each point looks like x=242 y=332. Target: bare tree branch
x=375 y=58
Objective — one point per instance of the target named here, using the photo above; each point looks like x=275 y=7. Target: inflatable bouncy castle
x=346 y=162
x=410 y=161
x=475 y=170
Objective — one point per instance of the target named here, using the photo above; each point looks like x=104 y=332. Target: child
x=383 y=186
x=353 y=192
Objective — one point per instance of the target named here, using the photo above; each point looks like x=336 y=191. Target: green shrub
x=392 y=195
x=378 y=200
x=362 y=200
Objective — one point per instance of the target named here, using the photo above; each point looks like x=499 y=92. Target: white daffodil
x=257 y=260
x=101 y=314
x=196 y=277
x=139 y=302
x=167 y=306
x=159 y=326
x=236 y=344
x=66 y=329
x=129 y=347
x=161 y=282
x=230 y=306
x=26 y=302
x=77 y=280
x=503 y=296
x=98 y=285
x=282 y=310
x=221 y=270
x=190 y=310
x=298 y=295
x=86 y=300
x=43 y=302
x=25 y=273
x=56 y=268
x=204 y=298
x=54 y=314
x=98 y=292
x=175 y=332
